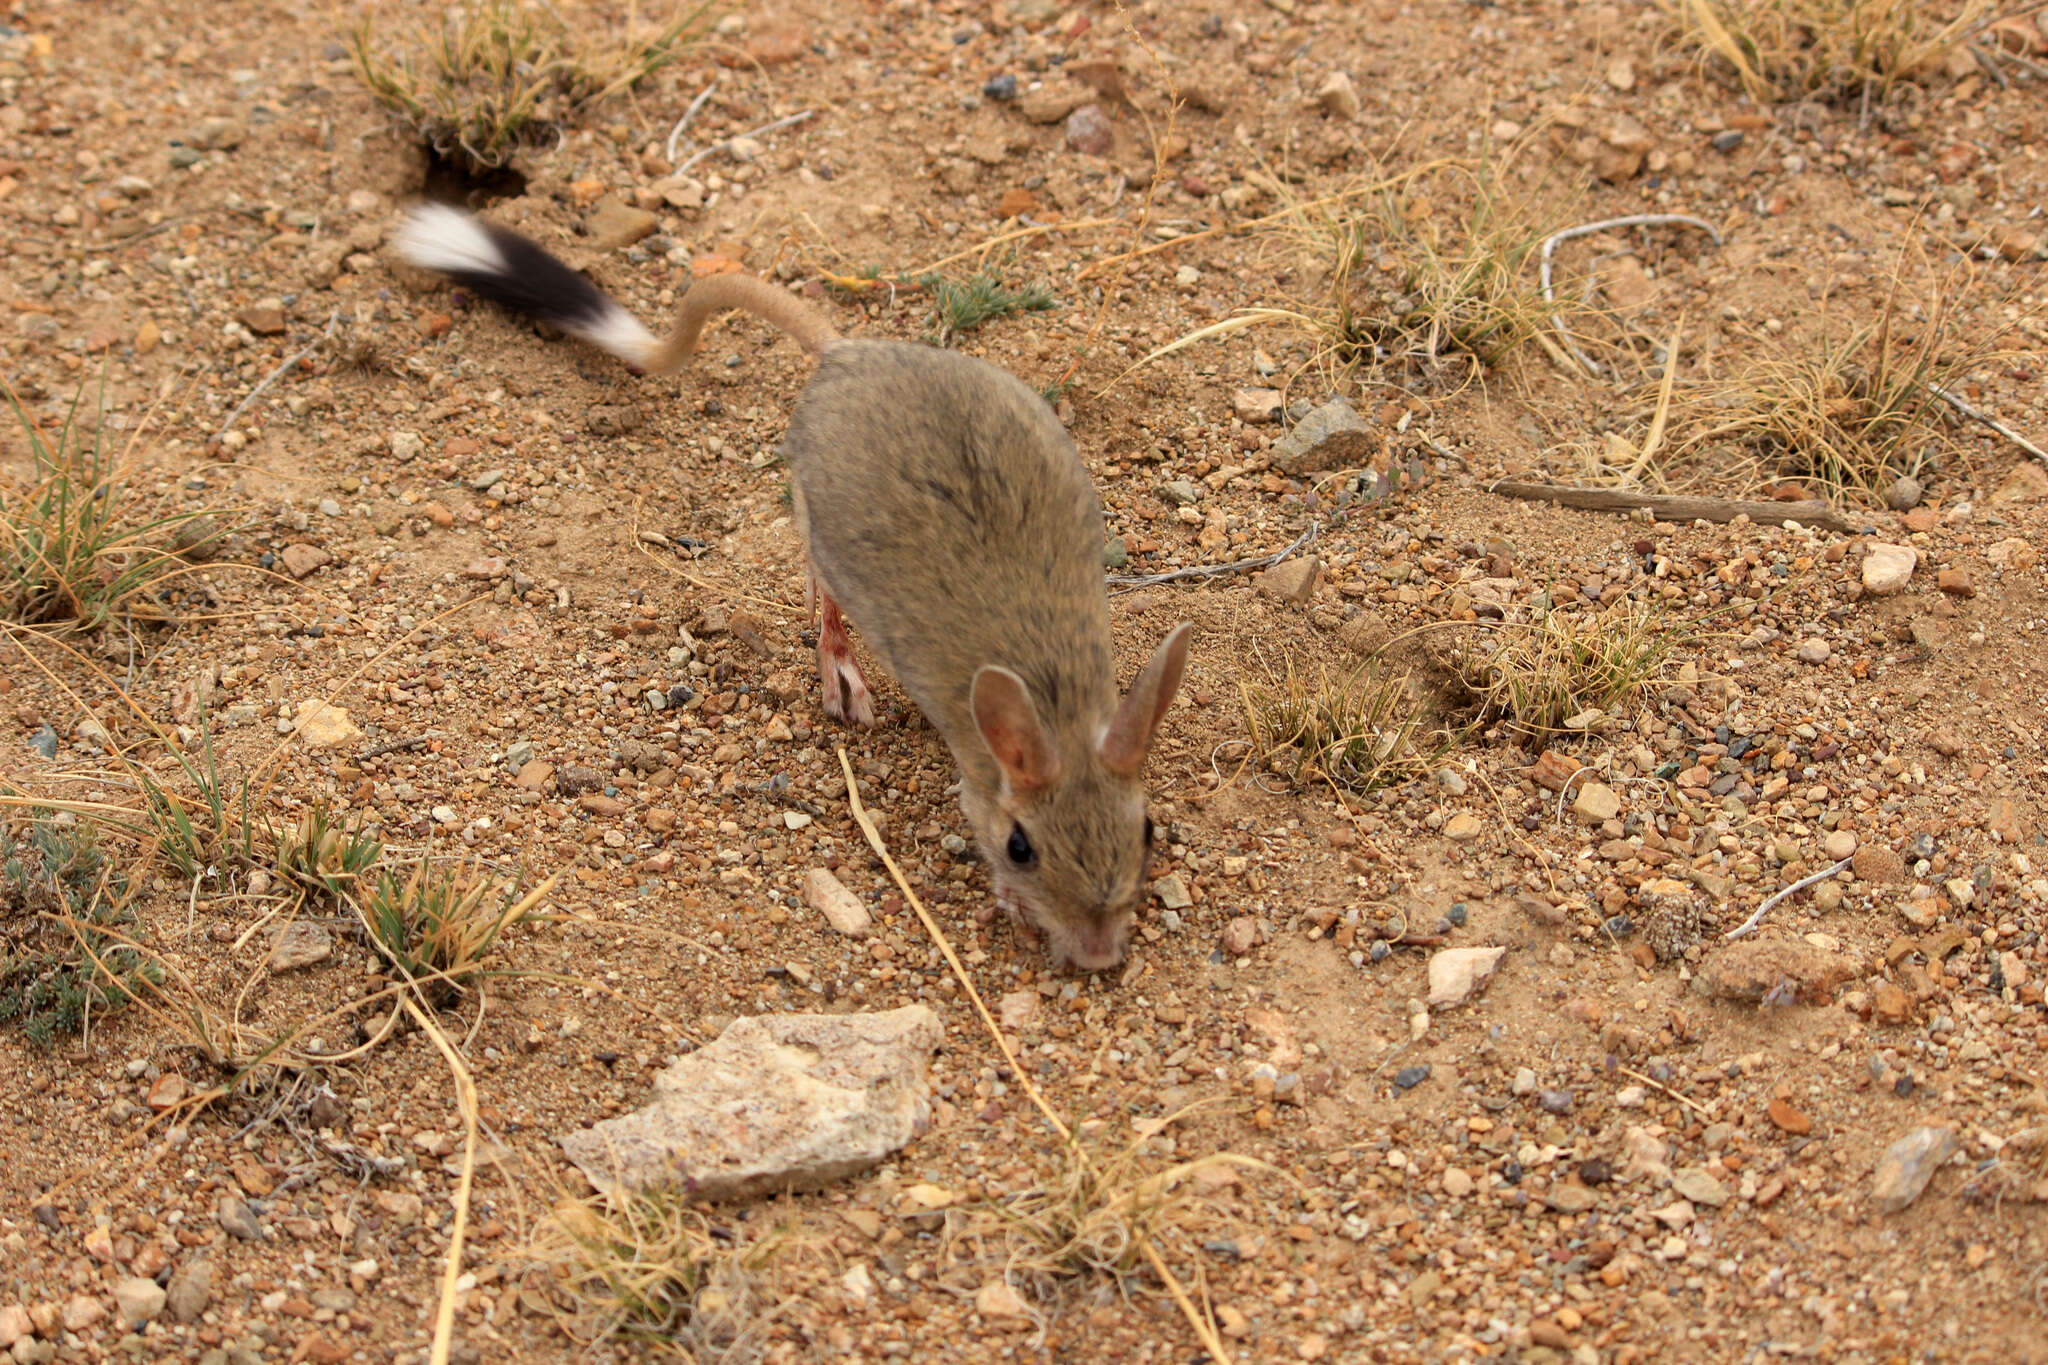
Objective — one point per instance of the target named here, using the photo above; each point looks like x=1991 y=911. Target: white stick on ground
x=1550 y=245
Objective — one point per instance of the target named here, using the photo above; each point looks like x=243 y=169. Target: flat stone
x=1089 y=131
x=1053 y=103
x=1908 y=1164
x=301 y=559
x=1258 y=405
x=827 y=895
x=2028 y=482
x=1338 y=96
x=1749 y=969
x=614 y=224
x=320 y=725
x=1700 y=1187
x=1886 y=568
x=299 y=944
x=1172 y=892
x=1292 y=580
x=1331 y=437
x=1464 y=827
x=776 y=1103
x=139 y=1301
x=264 y=322
x=1596 y=803
x=1455 y=973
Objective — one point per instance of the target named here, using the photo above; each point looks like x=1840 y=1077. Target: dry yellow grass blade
x=1203 y=1325
x=1834 y=49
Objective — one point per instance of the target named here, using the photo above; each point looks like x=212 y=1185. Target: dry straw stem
x=1203 y=1324
x=505 y=73
x=1548 y=674
x=1834 y=49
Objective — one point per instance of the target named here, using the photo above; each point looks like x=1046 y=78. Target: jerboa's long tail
x=519 y=274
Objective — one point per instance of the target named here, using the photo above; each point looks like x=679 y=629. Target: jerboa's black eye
x=1020 y=850
x=1148 y=831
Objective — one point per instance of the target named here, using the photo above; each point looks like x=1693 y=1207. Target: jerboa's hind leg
x=843 y=687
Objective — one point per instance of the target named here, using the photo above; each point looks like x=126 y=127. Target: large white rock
x=778 y=1102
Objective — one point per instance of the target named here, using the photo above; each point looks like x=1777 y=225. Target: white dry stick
x=751 y=132
x=1306 y=538
x=272 y=377
x=1749 y=925
x=1988 y=420
x=1550 y=245
x=675 y=134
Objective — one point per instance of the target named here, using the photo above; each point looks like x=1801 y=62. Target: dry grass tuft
x=76 y=545
x=504 y=73
x=1833 y=49
x=1432 y=272
x=1359 y=730
x=440 y=926
x=324 y=856
x=647 y=1267
x=1564 y=672
x=1097 y=1216
x=1850 y=409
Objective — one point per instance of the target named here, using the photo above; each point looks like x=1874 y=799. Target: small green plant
x=440 y=925
x=213 y=827
x=75 y=548
x=1358 y=730
x=1561 y=672
x=643 y=1265
x=962 y=305
x=324 y=856
x=59 y=965
x=958 y=305
x=1833 y=49
x=500 y=74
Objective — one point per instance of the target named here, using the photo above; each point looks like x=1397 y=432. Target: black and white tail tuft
x=511 y=271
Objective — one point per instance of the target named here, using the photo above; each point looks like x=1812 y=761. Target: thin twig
x=1550 y=245
x=1749 y=925
x=752 y=132
x=1674 y=507
x=1128 y=581
x=274 y=375
x=1203 y=1329
x=1988 y=420
x=1685 y=1100
x=675 y=133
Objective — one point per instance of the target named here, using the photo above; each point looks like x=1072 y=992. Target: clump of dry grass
x=440 y=926
x=500 y=74
x=1412 y=271
x=78 y=548
x=645 y=1266
x=1561 y=672
x=1850 y=409
x=1099 y=1216
x=1359 y=730
x=1833 y=49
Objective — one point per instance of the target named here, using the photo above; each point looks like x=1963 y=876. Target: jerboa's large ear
x=1144 y=706
x=1009 y=725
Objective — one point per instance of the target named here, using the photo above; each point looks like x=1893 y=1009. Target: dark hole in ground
x=453 y=179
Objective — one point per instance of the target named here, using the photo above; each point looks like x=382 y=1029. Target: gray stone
x=238 y=1218
x=190 y=1289
x=1089 y=131
x=1179 y=493
x=1331 y=437
x=1904 y=494
x=1699 y=1186
x=299 y=944
x=1908 y=1164
x=781 y=1102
